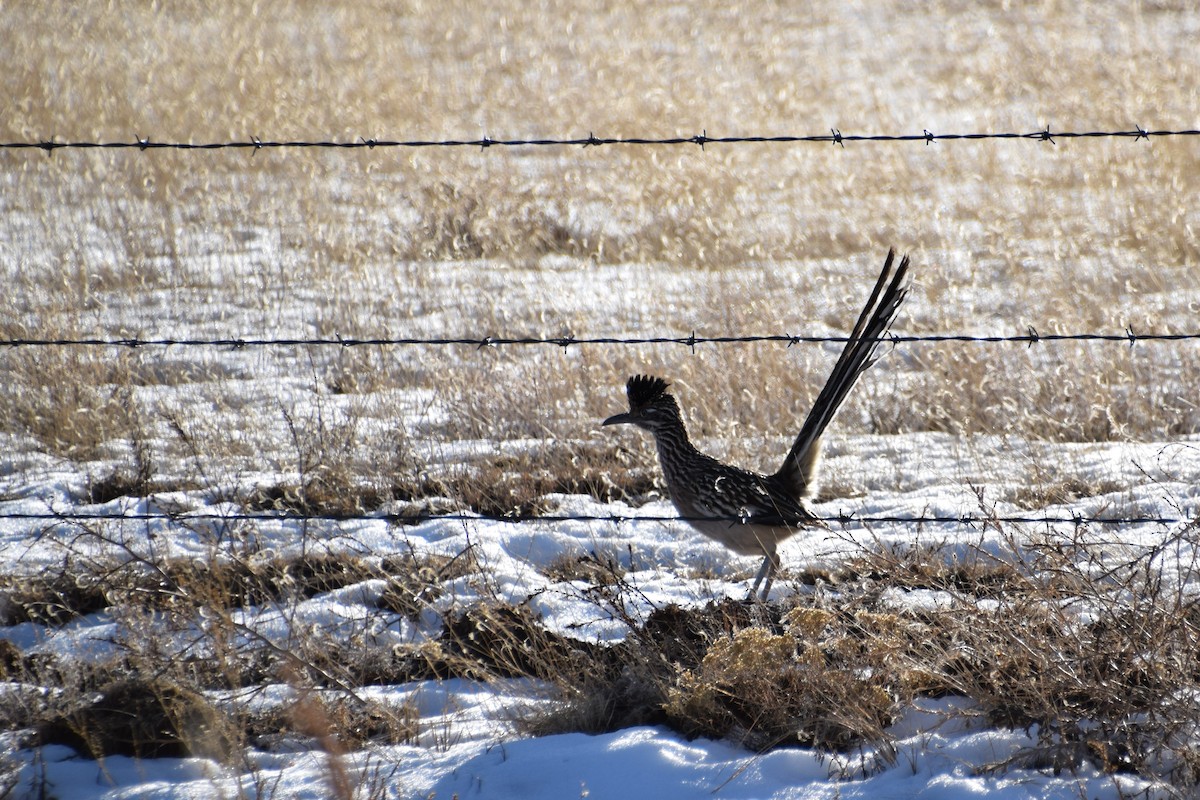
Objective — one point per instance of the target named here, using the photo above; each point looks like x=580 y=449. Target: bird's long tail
x=800 y=467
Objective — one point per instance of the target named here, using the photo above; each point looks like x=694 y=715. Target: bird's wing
x=740 y=496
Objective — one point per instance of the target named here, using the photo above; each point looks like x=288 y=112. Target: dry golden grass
x=1103 y=669
x=1076 y=236
x=1029 y=636
x=1081 y=235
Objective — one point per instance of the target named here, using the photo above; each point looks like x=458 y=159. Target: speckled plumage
x=748 y=512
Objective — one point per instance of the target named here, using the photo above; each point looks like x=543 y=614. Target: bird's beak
x=618 y=419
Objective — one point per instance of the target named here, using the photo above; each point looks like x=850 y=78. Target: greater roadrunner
x=748 y=512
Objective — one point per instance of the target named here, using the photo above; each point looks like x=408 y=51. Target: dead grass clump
x=732 y=670
x=29 y=705
x=414 y=581
x=1108 y=686
x=483 y=642
x=235 y=668
x=136 y=480
x=324 y=444
x=239 y=583
x=312 y=574
x=50 y=599
x=765 y=689
x=1064 y=394
x=518 y=483
x=1041 y=494
x=591 y=569
x=970 y=574
x=73 y=400
x=503 y=640
x=684 y=635
x=118 y=484
x=339 y=722
x=328 y=497
x=145 y=719
x=363 y=721
x=344 y=663
x=12 y=660
x=629 y=683
x=599 y=471
x=505 y=484
x=1107 y=692
x=1096 y=660
x=54 y=599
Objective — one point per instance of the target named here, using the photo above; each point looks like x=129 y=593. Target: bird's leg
x=767 y=572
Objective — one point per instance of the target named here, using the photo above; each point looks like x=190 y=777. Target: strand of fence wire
x=1029 y=338
x=835 y=137
x=520 y=518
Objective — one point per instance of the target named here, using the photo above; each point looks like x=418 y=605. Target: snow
x=645 y=762
x=252 y=281
x=469 y=746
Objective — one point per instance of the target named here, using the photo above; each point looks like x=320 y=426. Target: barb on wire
x=844 y=519
x=1029 y=338
x=835 y=136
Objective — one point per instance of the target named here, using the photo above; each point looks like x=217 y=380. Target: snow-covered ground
x=469 y=740
x=468 y=745
x=1083 y=235
x=936 y=761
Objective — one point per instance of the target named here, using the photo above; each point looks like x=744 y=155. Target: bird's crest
x=644 y=389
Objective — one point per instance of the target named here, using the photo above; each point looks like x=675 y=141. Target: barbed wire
x=1029 y=338
x=844 y=519
x=835 y=136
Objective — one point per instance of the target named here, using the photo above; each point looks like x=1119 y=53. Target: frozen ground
x=468 y=746
x=1090 y=235
x=470 y=740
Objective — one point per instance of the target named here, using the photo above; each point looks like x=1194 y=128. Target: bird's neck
x=674 y=445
